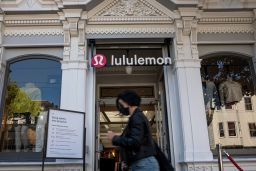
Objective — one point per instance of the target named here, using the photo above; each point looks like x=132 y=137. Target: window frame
x=22 y=156
x=238 y=152
x=252 y=130
x=223 y=129
x=251 y=103
x=235 y=129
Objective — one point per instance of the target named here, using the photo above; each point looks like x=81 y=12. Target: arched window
x=33 y=85
x=230 y=101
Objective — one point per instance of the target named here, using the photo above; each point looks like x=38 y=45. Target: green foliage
x=17 y=101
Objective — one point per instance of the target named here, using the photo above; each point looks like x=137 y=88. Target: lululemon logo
x=99 y=61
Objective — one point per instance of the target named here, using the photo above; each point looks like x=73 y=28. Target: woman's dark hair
x=130 y=97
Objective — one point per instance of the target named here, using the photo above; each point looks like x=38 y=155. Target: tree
x=17 y=101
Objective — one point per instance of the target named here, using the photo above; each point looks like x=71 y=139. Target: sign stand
x=64 y=136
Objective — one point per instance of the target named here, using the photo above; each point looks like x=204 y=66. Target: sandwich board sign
x=65 y=135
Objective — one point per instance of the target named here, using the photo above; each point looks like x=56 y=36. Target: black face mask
x=123 y=110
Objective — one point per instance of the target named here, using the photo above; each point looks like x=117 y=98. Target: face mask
x=123 y=110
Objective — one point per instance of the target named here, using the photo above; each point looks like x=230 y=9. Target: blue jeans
x=146 y=164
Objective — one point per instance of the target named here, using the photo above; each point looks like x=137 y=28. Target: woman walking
x=137 y=148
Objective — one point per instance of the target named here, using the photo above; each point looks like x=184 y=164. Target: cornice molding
x=31 y=22
x=154 y=29
x=229 y=28
x=33 y=31
x=230 y=20
x=124 y=20
x=227 y=4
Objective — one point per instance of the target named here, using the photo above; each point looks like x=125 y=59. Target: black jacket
x=136 y=141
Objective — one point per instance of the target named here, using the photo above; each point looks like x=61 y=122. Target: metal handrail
x=220 y=161
x=233 y=161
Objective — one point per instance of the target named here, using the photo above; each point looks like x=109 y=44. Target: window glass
x=33 y=86
x=252 y=128
x=231 y=129
x=229 y=94
x=221 y=129
x=248 y=103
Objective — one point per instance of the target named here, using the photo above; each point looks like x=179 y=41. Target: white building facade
x=196 y=34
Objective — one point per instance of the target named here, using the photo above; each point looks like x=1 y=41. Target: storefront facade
x=47 y=46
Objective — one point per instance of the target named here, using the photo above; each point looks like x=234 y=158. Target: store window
x=252 y=129
x=32 y=87
x=229 y=94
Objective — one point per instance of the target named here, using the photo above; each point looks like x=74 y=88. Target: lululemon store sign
x=100 y=60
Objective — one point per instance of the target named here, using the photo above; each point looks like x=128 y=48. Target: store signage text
x=100 y=60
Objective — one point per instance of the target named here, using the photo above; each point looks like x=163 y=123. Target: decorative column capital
x=186 y=33
x=188 y=20
x=254 y=11
x=186 y=26
x=1 y=28
x=2 y=67
x=74 y=33
x=71 y=20
x=76 y=64
x=254 y=23
x=187 y=63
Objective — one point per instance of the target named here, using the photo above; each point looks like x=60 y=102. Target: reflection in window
x=248 y=103
x=252 y=128
x=229 y=96
x=221 y=129
x=231 y=129
x=33 y=87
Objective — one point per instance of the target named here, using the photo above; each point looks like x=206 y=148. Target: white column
x=77 y=82
x=2 y=63
x=73 y=85
x=188 y=118
x=254 y=58
x=192 y=111
x=90 y=120
x=2 y=77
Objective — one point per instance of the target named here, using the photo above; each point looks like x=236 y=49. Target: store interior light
x=106 y=126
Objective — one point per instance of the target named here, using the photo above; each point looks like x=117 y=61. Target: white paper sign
x=65 y=138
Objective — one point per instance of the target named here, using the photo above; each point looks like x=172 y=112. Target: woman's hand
x=111 y=135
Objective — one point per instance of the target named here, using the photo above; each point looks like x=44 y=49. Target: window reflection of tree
x=217 y=69
x=24 y=105
x=17 y=101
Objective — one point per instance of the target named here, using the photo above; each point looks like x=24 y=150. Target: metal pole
x=220 y=162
